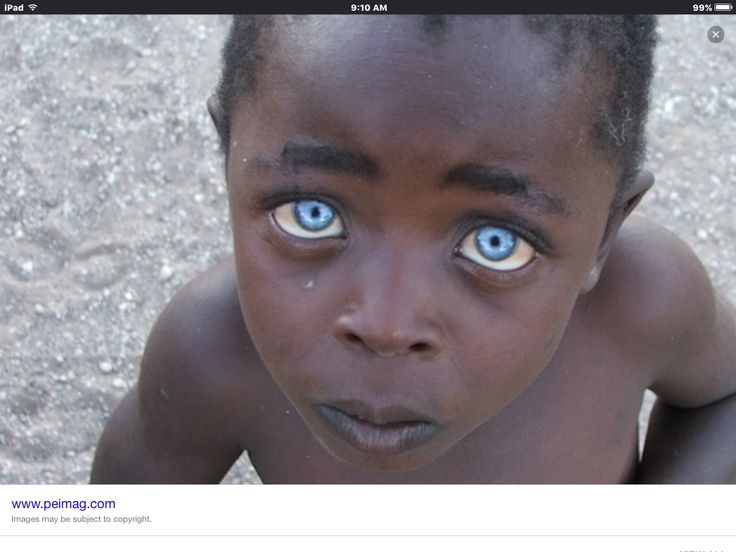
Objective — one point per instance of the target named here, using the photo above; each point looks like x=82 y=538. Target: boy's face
x=414 y=218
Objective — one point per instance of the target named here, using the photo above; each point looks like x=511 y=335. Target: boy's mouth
x=383 y=432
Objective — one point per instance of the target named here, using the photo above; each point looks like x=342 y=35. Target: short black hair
x=618 y=47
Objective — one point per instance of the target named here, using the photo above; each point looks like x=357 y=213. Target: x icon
x=716 y=34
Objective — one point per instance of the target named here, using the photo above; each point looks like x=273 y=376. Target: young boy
x=435 y=275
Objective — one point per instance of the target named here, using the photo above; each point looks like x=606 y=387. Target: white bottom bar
x=369 y=543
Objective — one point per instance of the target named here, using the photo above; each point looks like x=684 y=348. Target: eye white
x=308 y=218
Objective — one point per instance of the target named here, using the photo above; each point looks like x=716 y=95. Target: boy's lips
x=384 y=432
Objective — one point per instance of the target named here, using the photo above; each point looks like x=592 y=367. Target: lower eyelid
x=301 y=249
x=499 y=277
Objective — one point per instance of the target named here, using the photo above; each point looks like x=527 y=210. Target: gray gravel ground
x=112 y=197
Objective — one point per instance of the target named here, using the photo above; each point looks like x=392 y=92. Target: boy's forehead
x=465 y=70
x=484 y=90
x=380 y=47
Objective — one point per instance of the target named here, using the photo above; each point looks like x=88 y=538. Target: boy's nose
x=394 y=314
x=356 y=330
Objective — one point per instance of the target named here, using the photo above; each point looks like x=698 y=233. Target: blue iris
x=313 y=215
x=496 y=244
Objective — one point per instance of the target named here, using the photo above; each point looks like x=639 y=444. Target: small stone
x=105 y=367
x=702 y=234
x=166 y=273
x=117 y=383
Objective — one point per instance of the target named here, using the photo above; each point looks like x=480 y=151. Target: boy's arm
x=692 y=431
x=180 y=423
x=691 y=445
x=128 y=453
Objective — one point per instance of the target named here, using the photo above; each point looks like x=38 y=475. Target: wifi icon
x=32 y=7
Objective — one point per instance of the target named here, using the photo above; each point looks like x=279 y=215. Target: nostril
x=419 y=347
x=352 y=338
x=355 y=339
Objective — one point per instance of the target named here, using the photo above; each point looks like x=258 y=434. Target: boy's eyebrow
x=484 y=178
x=327 y=158
x=495 y=180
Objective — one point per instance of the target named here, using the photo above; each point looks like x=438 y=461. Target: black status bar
x=470 y=7
x=479 y=7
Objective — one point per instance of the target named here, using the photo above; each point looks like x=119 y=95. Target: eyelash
x=278 y=198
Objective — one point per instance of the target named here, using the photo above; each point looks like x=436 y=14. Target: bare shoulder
x=653 y=284
x=201 y=322
x=196 y=362
x=186 y=420
x=659 y=301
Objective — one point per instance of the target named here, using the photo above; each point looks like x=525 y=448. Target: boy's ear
x=631 y=197
x=215 y=109
x=634 y=192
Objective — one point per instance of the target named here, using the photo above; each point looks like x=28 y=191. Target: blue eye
x=496 y=244
x=308 y=218
x=313 y=215
x=496 y=248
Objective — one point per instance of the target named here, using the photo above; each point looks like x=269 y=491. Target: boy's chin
x=402 y=463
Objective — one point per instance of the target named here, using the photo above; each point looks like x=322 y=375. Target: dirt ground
x=112 y=197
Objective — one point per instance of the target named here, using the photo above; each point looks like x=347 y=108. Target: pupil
x=495 y=241
x=315 y=212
